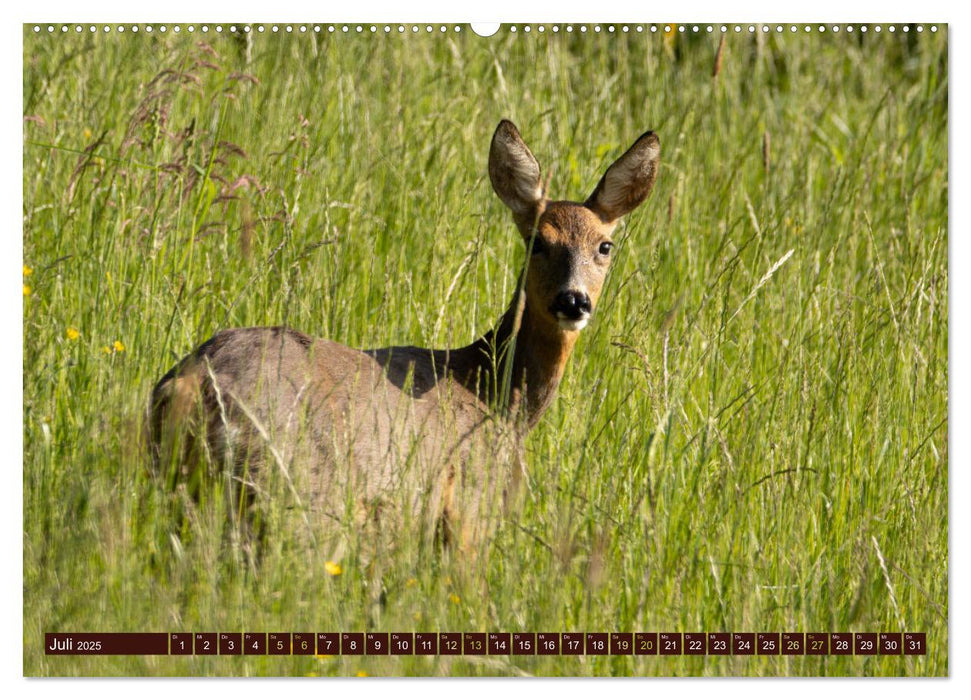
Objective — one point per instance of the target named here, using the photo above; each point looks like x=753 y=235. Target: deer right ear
x=515 y=176
x=628 y=181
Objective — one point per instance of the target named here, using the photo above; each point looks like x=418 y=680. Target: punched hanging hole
x=485 y=28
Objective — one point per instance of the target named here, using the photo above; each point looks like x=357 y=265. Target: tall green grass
x=751 y=436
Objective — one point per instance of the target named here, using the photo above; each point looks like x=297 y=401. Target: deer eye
x=538 y=246
x=606 y=247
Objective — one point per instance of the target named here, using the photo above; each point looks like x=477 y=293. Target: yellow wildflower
x=454 y=598
x=26 y=290
x=106 y=350
x=28 y=270
x=87 y=133
x=362 y=674
x=670 y=35
x=73 y=333
x=333 y=568
x=118 y=346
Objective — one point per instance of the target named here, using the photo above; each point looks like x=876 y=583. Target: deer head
x=569 y=243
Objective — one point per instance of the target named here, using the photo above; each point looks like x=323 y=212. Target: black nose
x=571 y=305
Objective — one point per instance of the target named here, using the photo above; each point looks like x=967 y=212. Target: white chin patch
x=569 y=324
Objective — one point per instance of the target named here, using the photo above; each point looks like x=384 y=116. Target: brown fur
x=437 y=434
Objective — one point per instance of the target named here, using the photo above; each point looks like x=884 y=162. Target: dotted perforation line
x=512 y=29
x=246 y=28
x=709 y=28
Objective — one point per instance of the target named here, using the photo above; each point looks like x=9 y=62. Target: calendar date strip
x=487 y=643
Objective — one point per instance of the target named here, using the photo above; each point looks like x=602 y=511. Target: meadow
x=751 y=435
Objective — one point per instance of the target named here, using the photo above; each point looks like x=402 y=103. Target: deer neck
x=517 y=366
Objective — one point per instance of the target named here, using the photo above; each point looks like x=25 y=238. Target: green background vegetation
x=738 y=445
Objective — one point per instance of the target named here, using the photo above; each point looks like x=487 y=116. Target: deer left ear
x=515 y=176
x=628 y=181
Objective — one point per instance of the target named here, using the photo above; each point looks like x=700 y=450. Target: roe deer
x=436 y=432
